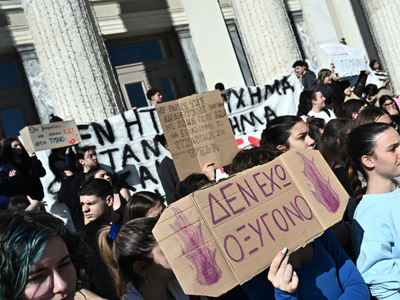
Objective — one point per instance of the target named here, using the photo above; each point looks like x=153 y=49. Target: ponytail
x=121 y=249
x=355 y=184
x=106 y=250
x=361 y=141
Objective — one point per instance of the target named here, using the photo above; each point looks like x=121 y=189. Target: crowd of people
x=114 y=255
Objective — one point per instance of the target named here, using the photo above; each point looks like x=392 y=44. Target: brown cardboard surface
x=198 y=131
x=225 y=234
x=50 y=136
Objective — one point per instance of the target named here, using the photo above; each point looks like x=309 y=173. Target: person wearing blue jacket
x=330 y=274
x=373 y=150
x=321 y=270
x=10 y=180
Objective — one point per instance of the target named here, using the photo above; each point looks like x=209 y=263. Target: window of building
x=157 y=62
x=140 y=52
x=12 y=121
x=136 y=94
x=9 y=75
x=17 y=108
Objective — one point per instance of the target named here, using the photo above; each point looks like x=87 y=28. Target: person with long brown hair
x=143 y=204
x=372 y=114
x=28 y=164
x=331 y=144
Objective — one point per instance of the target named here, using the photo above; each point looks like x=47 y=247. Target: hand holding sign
x=209 y=171
x=232 y=230
x=50 y=136
x=281 y=273
x=348 y=61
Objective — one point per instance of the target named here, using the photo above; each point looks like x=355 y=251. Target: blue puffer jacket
x=8 y=185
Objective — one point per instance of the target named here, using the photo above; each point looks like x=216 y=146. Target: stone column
x=303 y=35
x=74 y=59
x=37 y=83
x=382 y=17
x=191 y=58
x=267 y=38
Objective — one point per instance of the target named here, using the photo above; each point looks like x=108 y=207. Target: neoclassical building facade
x=89 y=60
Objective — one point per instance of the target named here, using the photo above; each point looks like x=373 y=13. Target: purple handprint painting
x=196 y=249
x=323 y=191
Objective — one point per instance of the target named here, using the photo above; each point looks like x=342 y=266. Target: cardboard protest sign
x=50 y=136
x=227 y=233
x=348 y=61
x=198 y=131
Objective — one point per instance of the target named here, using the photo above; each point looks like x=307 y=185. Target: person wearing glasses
x=387 y=103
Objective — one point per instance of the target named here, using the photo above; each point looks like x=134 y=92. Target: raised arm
x=360 y=85
x=37 y=167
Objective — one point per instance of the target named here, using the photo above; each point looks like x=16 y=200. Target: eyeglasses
x=388 y=104
x=394 y=125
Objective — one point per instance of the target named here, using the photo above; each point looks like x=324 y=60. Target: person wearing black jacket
x=10 y=181
x=62 y=164
x=306 y=77
x=167 y=172
x=96 y=200
x=87 y=158
x=28 y=164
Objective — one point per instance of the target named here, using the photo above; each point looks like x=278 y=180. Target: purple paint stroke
x=195 y=249
x=253 y=251
x=240 y=228
x=323 y=193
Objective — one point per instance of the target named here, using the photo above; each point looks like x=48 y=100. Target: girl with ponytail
x=373 y=150
x=132 y=255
